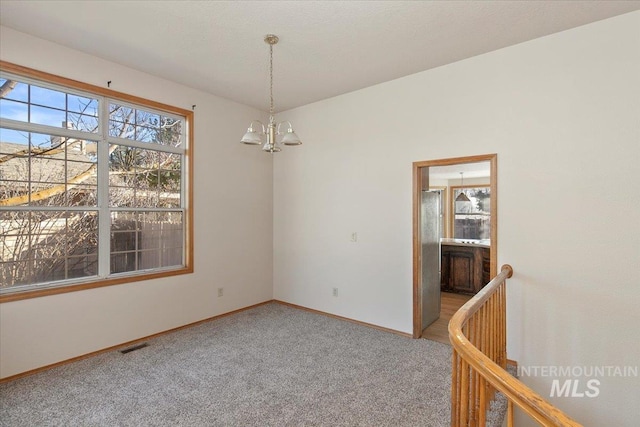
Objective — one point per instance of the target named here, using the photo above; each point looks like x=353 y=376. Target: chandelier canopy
x=257 y=135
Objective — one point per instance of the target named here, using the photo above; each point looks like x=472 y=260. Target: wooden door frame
x=417 y=186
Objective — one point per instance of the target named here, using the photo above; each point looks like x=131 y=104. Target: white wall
x=562 y=112
x=233 y=227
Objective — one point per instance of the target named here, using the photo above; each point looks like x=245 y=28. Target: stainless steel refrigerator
x=430 y=233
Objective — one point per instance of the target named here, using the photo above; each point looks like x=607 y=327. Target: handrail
x=478 y=335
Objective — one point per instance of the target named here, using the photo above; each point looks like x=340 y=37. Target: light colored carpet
x=269 y=366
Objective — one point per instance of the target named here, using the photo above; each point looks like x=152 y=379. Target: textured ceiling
x=326 y=47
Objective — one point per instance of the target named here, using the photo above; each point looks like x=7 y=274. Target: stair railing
x=478 y=335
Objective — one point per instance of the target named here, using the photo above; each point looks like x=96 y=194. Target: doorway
x=426 y=264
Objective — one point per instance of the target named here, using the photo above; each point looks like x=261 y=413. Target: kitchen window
x=94 y=186
x=471 y=217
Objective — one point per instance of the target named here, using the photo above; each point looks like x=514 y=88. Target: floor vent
x=134 y=348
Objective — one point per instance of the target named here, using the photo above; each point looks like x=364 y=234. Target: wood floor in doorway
x=449 y=304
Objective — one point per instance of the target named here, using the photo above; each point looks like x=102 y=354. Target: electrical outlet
x=335 y=292
x=220 y=292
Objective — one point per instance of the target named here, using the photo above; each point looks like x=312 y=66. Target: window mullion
x=46 y=129
x=104 y=217
x=145 y=145
x=184 y=202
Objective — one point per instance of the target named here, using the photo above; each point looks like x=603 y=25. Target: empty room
x=319 y=213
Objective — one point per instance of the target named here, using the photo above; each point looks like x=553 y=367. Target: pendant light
x=463 y=204
x=254 y=136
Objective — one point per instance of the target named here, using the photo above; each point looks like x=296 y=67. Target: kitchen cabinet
x=465 y=268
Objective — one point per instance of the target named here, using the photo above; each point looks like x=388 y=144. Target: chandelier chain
x=271 y=79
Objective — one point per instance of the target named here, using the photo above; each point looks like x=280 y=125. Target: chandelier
x=254 y=136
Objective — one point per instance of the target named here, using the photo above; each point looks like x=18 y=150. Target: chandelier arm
x=261 y=124
x=280 y=124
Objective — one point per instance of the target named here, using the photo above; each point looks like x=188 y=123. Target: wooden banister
x=478 y=335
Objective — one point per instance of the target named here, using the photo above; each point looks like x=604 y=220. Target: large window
x=93 y=186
